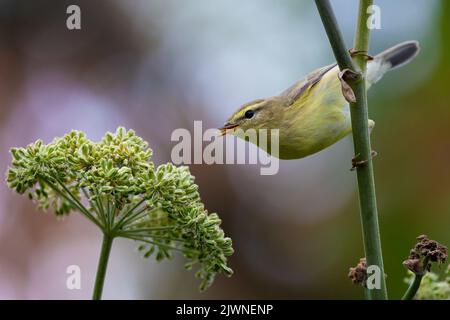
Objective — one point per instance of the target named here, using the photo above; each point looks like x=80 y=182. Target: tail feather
x=392 y=58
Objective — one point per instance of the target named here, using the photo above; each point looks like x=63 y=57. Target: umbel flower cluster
x=114 y=184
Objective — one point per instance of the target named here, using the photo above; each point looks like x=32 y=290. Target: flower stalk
x=415 y=284
x=424 y=253
x=353 y=76
x=102 y=266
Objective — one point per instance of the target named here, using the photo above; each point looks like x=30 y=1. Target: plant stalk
x=412 y=289
x=102 y=266
x=415 y=285
x=360 y=130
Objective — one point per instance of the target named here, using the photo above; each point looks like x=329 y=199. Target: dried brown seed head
x=358 y=274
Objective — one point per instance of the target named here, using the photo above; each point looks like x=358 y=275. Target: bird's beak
x=226 y=127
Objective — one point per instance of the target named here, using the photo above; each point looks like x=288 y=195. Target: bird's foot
x=354 y=53
x=371 y=125
x=359 y=163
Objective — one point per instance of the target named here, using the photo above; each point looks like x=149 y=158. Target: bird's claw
x=354 y=53
x=359 y=163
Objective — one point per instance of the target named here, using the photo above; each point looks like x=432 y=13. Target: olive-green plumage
x=312 y=114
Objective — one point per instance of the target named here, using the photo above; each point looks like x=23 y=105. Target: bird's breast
x=320 y=122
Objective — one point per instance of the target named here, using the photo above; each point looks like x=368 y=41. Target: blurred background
x=155 y=66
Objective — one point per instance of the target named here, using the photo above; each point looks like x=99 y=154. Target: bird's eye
x=249 y=114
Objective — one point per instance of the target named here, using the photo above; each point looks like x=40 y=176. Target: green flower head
x=115 y=185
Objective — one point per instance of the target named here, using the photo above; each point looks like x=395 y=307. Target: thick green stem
x=361 y=138
x=334 y=35
x=102 y=265
x=362 y=145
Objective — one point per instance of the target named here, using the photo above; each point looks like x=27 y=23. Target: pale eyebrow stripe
x=253 y=103
x=255 y=109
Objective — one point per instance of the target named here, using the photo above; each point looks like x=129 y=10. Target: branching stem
x=361 y=138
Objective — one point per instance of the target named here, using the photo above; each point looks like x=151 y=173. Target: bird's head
x=258 y=114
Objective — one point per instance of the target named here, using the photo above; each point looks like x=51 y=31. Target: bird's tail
x=390 y=59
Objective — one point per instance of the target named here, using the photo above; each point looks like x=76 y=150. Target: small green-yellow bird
x=312 y=114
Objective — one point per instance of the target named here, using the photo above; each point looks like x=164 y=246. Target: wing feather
x=300 y=87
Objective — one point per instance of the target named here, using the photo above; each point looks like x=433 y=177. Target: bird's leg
x=371 y=126
x=354 y=53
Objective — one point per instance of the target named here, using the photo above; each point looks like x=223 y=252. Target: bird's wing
x=300 y=87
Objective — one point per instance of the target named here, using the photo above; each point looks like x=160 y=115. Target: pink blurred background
x=155 y=66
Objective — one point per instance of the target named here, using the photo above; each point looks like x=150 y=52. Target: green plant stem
x=412 y=289
x=102 y=265
x=334 y=35
x=362 y=146
x=69 y=197
x=360 y=130
x=132 y=216
x=415 y=285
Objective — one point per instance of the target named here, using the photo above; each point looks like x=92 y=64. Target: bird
x=313 y=113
